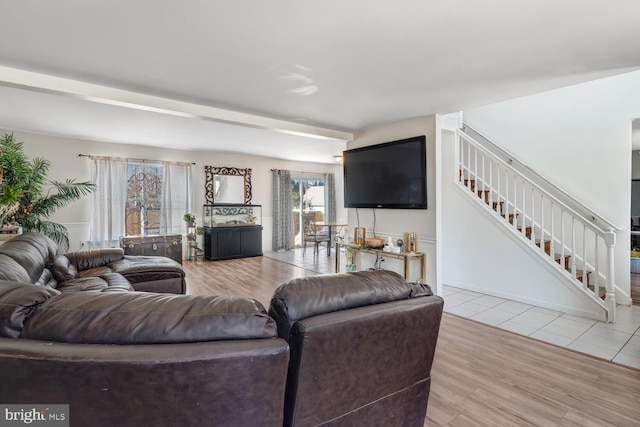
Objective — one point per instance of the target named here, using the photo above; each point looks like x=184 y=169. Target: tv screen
x=391 y=175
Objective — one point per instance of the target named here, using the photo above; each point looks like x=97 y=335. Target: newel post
x=610 y=298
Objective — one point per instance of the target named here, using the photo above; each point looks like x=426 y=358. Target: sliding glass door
x=307 y=194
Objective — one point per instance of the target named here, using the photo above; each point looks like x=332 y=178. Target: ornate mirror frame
x=211 y=171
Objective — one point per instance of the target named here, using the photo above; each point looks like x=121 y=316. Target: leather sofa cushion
x=147 y=318
x=12 y=271
x=147 y=268
x=95 y=272
x=309 y=296
x=108 y=282
x=33 y=251
x=86 y=260
x=17 y=301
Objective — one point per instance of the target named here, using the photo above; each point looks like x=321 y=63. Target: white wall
x=63 y=154
x=635 y=164
x=579 y=138
x=395 y=222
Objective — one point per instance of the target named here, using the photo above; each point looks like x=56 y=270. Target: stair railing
x=571 y=239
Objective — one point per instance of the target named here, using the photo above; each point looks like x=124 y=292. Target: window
x=138 y=197
x=144 y=190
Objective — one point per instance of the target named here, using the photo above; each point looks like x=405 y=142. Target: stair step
x=495 y=206
x=602 y=291
x=566 y=261
x=547 y=245
x=579 y=275
x=512 y=217
x=486 y=195
x=527 y=231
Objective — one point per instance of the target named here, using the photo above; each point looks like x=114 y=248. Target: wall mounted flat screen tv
x=392 y=175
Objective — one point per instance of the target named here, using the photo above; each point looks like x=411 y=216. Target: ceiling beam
x=89 y=92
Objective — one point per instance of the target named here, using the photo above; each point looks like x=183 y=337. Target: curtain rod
x=302 y=172
x=135 y=160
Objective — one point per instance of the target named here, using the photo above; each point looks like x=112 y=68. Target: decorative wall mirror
x=227 y=185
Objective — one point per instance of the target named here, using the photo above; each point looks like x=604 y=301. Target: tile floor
x=619 y=342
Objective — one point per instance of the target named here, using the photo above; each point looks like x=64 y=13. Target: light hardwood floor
x=482 y=376
x=635 y=288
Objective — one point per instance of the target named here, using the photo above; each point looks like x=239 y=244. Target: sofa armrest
x=17 y=301
x=85 y=260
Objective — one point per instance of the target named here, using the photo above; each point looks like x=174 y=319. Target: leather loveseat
x=128 y=358
x=34 y=258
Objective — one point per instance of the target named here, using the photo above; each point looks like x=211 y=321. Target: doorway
x=307 y=194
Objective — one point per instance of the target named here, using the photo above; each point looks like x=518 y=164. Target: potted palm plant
x=28 y=199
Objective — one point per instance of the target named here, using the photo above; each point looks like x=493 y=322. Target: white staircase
x=573 y=239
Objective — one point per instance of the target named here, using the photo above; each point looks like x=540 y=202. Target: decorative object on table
x=28 y=199
x=251 y=218
x=374 y=242
x=411 y=243
x=349 y=253
x=359 y=235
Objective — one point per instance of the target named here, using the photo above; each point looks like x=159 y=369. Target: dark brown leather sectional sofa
x=347 y=349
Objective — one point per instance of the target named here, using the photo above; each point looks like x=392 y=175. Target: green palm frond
x=25 y=181
x=36 y=179
x=56 y=232
x=65 y=193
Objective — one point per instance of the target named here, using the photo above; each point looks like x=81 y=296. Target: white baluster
x=515 y=199
x=533 y=230
x=499 y=188
x=552 y=252
x=524 y=213
x=584 y=256
x=610 y=299
x=573 y=248
x=491 y=183
x=562 y=234
x=596 y=266
x=533 y=213
x=475 y=166
x=506 y=193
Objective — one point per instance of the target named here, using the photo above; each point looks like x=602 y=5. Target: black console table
x=226 y=242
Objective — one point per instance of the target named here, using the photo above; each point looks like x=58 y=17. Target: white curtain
x=108 y=202
x=177 y=198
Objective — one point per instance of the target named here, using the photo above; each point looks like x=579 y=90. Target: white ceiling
x=289 y=78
